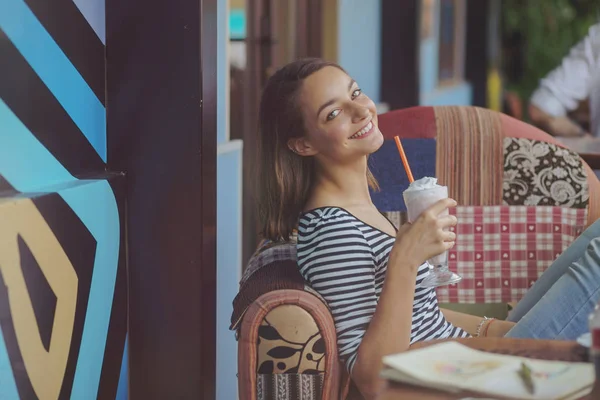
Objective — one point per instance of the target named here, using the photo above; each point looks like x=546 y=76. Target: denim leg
x=562 y=313
x=558 y=268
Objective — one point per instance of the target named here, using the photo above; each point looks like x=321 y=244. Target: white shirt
x=575 y=79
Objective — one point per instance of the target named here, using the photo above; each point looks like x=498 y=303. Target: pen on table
x=527 y=378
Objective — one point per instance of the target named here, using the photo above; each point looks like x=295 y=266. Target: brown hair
x=285 y=178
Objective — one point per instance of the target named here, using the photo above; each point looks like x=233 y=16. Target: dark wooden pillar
x=476 y=52
x=399 y=53
x=161 y=85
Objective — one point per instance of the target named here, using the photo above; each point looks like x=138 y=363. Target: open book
x=453 y=367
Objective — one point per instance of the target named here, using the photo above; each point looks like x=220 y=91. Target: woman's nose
x=360 y=113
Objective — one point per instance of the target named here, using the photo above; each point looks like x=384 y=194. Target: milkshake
x=420 y=195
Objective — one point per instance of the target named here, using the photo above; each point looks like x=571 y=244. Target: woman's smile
x=364 y=132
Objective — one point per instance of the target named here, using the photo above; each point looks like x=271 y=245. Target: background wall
x=431 y=93
x=359 y=43
x=229 y=216
x=63 y=289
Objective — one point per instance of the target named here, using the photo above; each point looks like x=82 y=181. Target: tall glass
x=420 y=195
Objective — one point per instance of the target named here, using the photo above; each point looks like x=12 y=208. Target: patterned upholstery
x=501 y=251
x=286 y=336
x=544 y=174
x=290 y=333
x=483 y=156
x=289 y=386
x=285 y=348
x=291 y=356
x=469 y=154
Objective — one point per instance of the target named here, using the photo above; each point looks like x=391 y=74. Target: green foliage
x=549 y=28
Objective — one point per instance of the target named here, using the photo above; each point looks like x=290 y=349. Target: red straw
x=404 y=160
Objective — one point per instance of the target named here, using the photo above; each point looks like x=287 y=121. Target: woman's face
x=340 y=120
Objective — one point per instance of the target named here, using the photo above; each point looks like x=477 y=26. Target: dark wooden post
x=399 y=53
x=161 y=101
x=476 y=57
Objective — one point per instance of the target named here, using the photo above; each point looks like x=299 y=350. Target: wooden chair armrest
x=248 y=338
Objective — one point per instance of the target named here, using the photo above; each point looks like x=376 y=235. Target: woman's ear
x=301 y=146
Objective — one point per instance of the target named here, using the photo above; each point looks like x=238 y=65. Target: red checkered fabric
x=502 y=250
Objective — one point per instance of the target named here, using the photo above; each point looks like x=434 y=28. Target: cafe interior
x=132 y=265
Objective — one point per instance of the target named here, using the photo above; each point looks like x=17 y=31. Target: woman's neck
x=341 y=185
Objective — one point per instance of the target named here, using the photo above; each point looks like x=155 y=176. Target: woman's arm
x=556 y=126
x=390 y=329
x=470 y=323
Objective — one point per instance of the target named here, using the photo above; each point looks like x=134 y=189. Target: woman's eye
x=356 y=93
x=332 y=115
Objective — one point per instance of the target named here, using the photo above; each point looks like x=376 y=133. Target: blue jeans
x=558 y=305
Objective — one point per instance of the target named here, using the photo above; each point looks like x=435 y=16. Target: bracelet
x=478 y=332
x=487 y=327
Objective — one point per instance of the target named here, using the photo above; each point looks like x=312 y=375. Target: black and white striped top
x=345 y=261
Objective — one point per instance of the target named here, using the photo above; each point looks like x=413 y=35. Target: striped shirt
x=345 y=261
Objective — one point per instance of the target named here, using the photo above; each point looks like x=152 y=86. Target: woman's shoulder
x=324 y=223
x=322 y=215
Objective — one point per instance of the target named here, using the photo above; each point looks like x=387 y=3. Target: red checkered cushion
x=502 y=250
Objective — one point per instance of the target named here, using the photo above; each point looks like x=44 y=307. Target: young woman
x=317 y=129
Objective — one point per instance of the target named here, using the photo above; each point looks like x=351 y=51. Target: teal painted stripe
x=23 y=159
x=56 y=71
x=28 y=166
x=8 y=386
x=96 y=206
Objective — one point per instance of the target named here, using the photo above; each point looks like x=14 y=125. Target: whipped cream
x=423 y=184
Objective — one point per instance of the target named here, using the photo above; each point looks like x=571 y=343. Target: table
x=588 y=148
x=540 y=349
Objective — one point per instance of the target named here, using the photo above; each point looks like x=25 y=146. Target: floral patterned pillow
x=541 y=173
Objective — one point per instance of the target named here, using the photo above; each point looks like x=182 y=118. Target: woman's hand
x=428 y=235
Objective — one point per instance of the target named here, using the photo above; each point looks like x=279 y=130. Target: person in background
x=576 y=79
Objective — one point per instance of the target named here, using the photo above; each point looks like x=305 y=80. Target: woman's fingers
x=447 y=221
x=430 y=234
x=438 y=207
x=448 y=236
x=449 y=245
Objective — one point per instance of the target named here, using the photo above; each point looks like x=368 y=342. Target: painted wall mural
x=63 y=281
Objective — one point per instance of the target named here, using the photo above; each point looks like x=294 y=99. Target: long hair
x=285 y=178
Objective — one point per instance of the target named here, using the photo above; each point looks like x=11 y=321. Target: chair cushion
x=469 y=154
x=289 y=386
x=289 y=341
x=502 y=250
x=542 y=173
x=470 y=147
